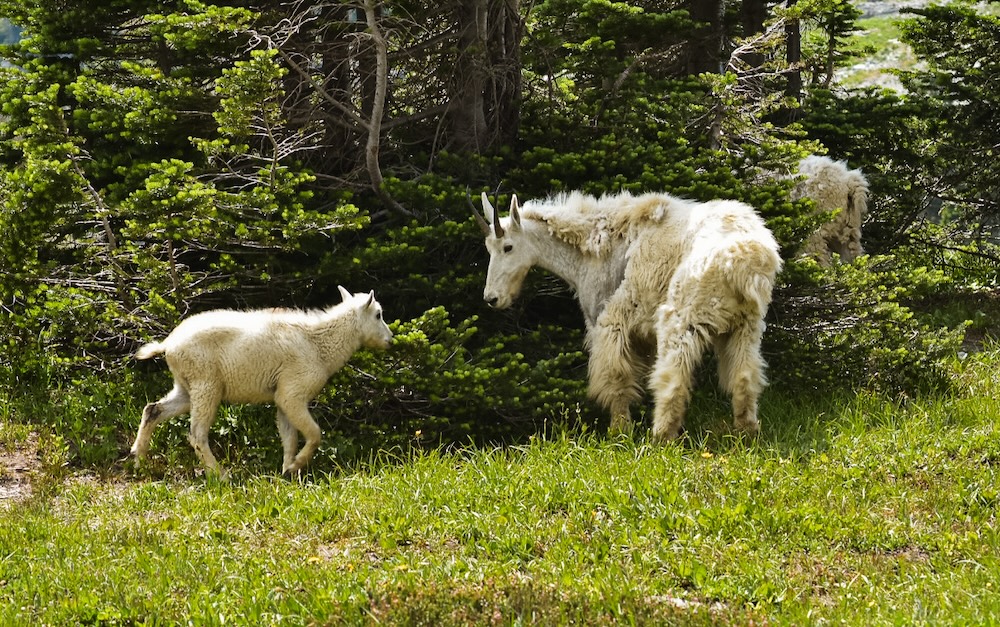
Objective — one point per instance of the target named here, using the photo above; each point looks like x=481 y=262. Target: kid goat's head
x=375 y=333
x=510 y=256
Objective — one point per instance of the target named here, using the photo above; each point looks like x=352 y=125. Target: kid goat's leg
x=289 y=440
x=612 y=380
x=681 y=343
x=205 y=401
x=296 y=412
x=741 y=371
x=174 y=403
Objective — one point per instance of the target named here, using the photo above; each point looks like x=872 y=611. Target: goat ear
x=371 y=298
x=492 y=216
x=488 y=209
x=343 y=292
x=515 y=217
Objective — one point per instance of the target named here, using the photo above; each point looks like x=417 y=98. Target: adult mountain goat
x=659 y=279
x=280 y=356
x=833 y=187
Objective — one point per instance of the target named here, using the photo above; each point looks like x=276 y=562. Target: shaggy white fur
x=280 y=356
x=659 y=279
x=833 y=187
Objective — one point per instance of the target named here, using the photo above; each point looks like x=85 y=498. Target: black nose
x=491 y=301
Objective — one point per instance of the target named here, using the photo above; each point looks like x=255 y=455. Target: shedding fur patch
x=692 y=275
x=592 y=224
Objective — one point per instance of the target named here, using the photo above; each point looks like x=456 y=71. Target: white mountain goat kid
x=280 y=356
x=833 y=187
x=659 y=279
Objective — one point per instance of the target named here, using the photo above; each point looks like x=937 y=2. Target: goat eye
x=378 y=315
x=508 y=247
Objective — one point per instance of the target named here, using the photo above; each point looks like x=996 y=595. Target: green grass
x=856 y=509
x=882 y=35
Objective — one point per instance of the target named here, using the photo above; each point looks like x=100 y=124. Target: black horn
x=483 y=224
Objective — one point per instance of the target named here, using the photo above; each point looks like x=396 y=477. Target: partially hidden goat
x=280 y=356
x=659 y=279
x=833 y=187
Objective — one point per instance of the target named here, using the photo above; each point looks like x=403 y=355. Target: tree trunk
x=467 y=111
x=484 y=107
x=705 y=53
x=504 y=111
x=793 y=56
x=336 y=66
x=753 y=13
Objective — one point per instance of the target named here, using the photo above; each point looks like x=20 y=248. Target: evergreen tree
x=958 y=95
x=150 y=170
x=160 y=159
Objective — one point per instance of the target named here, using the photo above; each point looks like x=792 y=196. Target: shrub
x=849 y=327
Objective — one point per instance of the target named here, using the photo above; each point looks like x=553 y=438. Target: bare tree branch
x=378 y=107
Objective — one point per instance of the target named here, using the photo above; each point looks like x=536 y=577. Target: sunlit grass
x=850 y=508
x=882 y=36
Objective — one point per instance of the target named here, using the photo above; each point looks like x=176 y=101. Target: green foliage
x=36 y=193
x=851 y=326
x=827 y=42
x=660 y=157
x=923 y=151
x=859 y=509
x=958 y=92
x=885 y=53
x=127 y=208
x=89 y=416
x=885 y=136
x=157 y=160
x=595 y=41
x=440 y=384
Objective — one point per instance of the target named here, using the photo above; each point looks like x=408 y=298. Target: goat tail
x=150 y=350
x=757 y=288
x=857 y=198
x=753 y=274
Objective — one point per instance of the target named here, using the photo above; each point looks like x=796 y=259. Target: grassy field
x=856 y=509
x=881 y=34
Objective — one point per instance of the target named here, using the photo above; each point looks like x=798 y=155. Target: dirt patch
x=17 y=465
